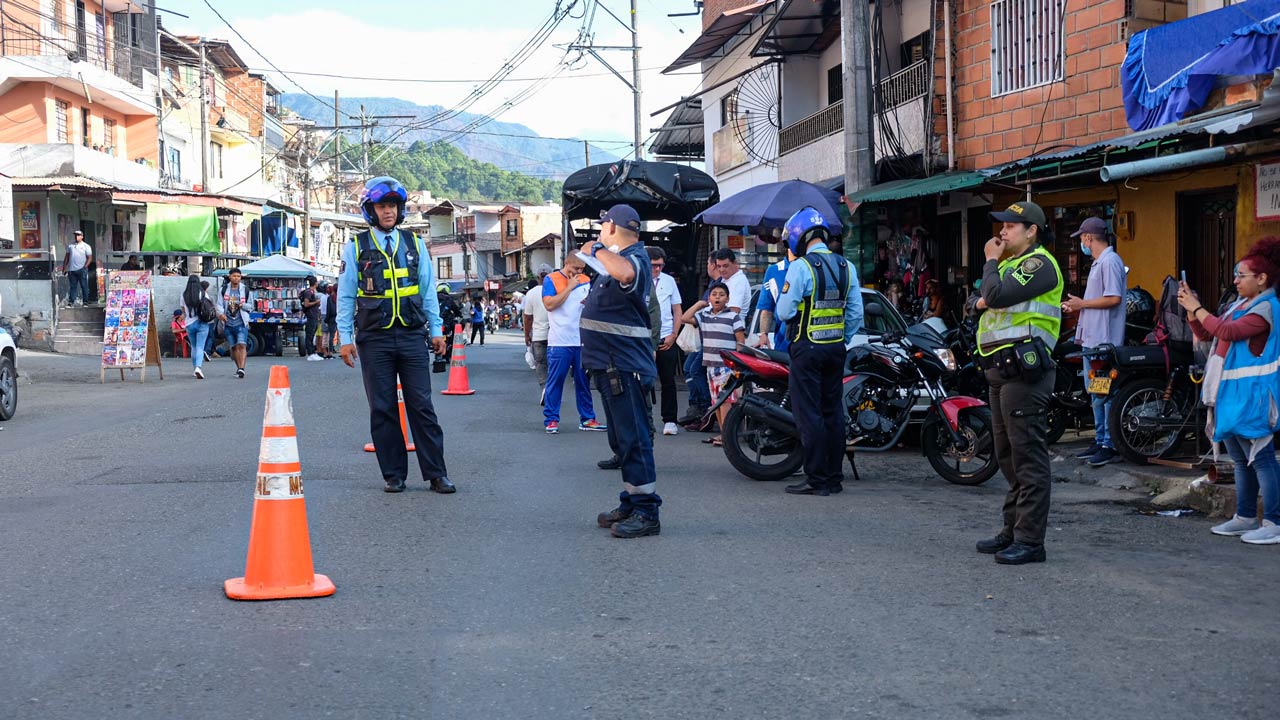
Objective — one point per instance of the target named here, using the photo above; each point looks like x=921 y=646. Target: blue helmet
x=802 y=228
x=383 y=189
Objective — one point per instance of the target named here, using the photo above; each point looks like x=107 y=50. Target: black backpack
x=207 y=312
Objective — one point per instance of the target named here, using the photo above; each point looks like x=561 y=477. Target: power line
x=449 y=80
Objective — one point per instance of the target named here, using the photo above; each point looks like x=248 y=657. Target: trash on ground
x=1180 y=512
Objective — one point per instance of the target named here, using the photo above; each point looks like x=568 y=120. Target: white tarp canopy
x=279 y=266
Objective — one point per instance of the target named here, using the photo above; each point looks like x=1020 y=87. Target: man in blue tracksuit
x=822 y=306
x=774 y=278
x=387 y=310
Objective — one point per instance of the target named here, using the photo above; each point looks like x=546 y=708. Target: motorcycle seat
x=1149 y=356
x=776 y=356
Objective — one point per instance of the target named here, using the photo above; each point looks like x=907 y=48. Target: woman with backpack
x=1242 y=388
x=200 y=313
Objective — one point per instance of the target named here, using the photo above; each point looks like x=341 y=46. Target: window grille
x=1027 y=48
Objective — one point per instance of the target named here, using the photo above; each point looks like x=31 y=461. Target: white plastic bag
x=689 y=340
x=528 y=359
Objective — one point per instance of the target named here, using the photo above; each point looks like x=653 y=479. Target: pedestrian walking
x=75 y=263
x=329 y=322
x=822 y=306
x=537 y=325
x=387 y=309
x=200 y=313
x=477 y=319
x=618 y=351
x=1241 y=388
x=310 y=299
x=564 y=293
x=232 y=304
x=720 y=328
x=1022 y=300
x=1101 y=322
x=667 y=293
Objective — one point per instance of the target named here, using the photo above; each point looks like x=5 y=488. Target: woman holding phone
x=1242 y=388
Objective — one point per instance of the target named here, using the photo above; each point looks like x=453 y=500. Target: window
x=84 y=126
x=728 y=107
x=109 y=136
x=835 y=84
x=215 y=160
x=444 y=268
x=175 y=164
x=59 y=16
x=513 y=227
x=61 y=111
x=1026 y=44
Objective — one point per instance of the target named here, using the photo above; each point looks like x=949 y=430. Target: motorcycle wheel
x=744 y=437
x=1143 y=400
x=973 y=465
x=1057 y=424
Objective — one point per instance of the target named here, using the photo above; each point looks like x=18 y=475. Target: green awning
x=181 y=228
x=919 y=187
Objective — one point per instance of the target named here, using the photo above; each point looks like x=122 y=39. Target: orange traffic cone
x=459 y=384
x=279 y=563
x=404 y=423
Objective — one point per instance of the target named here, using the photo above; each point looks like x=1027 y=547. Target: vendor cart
x=274 y=287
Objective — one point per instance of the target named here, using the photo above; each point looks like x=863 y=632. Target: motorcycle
x=882 y=381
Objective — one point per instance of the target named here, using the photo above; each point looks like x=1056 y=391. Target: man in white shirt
x=739 y=285
x=669 y=301
x=536 y=324
x=76 y=265
x=564 y=293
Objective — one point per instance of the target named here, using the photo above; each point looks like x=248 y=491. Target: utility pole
x=337 y=174
x=859 y=99
x=162 y=160
x=364 y=143
x=304 y=151
x=586 y=151
x=204 y=121
x=634 y=82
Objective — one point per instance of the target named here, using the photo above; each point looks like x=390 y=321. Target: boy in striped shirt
x=721 y=328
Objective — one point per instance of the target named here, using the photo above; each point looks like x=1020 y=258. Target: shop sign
x=1267 y=191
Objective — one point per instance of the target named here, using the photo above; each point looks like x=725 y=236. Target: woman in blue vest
x=1242 y=388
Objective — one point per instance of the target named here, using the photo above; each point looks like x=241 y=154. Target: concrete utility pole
x=204 y=121
x=859 y=97
x=634 y=82
x=163 y=161
x=337 y=175
x=586 y=151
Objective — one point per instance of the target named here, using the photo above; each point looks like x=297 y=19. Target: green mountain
x=447 y=173
x=535 y=156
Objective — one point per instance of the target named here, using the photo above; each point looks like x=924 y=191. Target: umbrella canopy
x=657 y=190
x=278 y=266
x=772 y=204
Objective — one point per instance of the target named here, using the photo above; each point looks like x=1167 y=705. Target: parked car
x=8 y=375
x=879 y=317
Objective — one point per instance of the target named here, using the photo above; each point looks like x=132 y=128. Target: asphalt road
x=123 y=507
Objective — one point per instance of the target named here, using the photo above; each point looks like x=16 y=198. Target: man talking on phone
x=1021 y=297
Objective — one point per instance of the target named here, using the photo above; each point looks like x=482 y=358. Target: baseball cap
x=1021 y=212
x=78 y=232
x=1092 y=226
x=544 y=269
x=622 y=216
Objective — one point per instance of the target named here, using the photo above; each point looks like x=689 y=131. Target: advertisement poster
x=29 y=224
x=128 y=315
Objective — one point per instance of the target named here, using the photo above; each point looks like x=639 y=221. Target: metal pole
x=635 y=80
x=162 y=160
x=204 y=122
x=859 y=155
x=951 y=91
x=364 y=143
x=586 y=151
x=337 y=142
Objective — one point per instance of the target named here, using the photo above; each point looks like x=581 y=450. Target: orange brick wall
x=1084 y=109
x=247 y=96
x=712 y=9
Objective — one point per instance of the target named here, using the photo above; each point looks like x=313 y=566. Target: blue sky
x=450 y=40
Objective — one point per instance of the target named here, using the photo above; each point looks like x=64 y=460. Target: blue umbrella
x=772 y=204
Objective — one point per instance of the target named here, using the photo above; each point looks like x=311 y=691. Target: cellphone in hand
x=1184 y=277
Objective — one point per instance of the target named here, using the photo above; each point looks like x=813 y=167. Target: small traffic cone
x=279 y=562
x=404 y=423
x=459 y=384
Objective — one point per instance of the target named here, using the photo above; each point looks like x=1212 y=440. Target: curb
x=1166 y=487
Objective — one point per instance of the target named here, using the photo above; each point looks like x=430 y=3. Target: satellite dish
x=756 y=114
x=327 y=229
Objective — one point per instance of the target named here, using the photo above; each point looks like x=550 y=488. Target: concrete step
x=79 y=330
x=78 y=345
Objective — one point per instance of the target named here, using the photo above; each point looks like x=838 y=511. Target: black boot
x=991 y=546
x=612 y=463
x=635 y=526
x=1021 y=554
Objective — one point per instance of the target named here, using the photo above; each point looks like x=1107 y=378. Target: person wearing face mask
x=1101 y=322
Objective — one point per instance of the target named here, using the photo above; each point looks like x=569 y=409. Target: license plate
x=1099 y=386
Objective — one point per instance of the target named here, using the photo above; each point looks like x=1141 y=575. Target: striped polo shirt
x=718 y=331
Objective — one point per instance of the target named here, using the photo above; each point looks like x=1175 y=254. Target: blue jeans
x=237 y=334
x=197 y=336
x=695 y=377
x=1101 y=409
x=79 y=281
x=561 y=361
x=1263 y=474
x=629 y=417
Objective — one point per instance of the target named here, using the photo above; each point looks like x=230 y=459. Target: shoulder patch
x=786 y=286
x=1031 y=265
x=342 y=267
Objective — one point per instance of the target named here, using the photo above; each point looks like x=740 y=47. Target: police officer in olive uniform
x=1022 y=297
x=387 y=309
x=822 y=306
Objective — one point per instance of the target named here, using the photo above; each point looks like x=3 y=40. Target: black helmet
x=1139 y=306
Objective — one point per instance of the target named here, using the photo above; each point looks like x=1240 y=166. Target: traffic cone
x=459 y=384
x=404 y=423
x=279 y=562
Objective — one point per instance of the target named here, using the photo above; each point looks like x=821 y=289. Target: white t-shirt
x=533 y=306
x=668 y=294
x=739 y=293
x=564 y=329
x=78 y=255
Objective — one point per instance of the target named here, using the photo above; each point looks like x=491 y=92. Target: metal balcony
x=907 y=85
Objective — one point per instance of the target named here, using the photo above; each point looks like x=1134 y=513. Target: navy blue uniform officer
x=387 y=308
x=822 y=306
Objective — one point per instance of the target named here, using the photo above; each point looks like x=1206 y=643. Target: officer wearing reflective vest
x=1022 y=297
x=822 y=306
x=387 y=309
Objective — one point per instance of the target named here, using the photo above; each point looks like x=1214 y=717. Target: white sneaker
x=314 y=357
x=1235 y=526
x=1268 y=534
x=198 y=374
x=670 y=429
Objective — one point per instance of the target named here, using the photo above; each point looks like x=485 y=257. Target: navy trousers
x=816 y=373
x=384 y=356
x=629 y=415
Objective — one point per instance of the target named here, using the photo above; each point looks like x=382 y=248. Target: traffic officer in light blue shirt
x=822 y=306
x=387 y=310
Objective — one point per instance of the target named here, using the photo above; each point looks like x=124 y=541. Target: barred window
x=1027 y=48
x=61 y=110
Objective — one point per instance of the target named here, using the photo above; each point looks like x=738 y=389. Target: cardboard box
x=1148 y=10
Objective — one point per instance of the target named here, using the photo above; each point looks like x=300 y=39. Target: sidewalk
x=1164 y=487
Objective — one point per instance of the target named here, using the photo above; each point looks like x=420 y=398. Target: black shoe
x=615 y=515
x=994 y=545
x=1088 y=452
x=394 y=486
x=1102 y=457
x=836 y=488
x=442 y=485
x=807 y=488
x=1020 y=554
x=636 y=526
x=694 y=415
x=612 y=463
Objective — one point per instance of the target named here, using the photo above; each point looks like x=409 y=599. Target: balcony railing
x=115 y=58
x=902 y=87
x=828 y=121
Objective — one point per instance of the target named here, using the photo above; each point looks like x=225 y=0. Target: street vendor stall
x=275 y=310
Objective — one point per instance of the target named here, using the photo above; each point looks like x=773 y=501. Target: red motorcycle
x=882 y=382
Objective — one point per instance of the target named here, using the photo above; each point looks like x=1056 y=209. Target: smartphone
x=1184 y=277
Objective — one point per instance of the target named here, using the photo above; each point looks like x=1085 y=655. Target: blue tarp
x=1170 y=70
x=271 y=234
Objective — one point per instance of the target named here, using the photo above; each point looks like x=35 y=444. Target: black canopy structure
x=658 y=191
